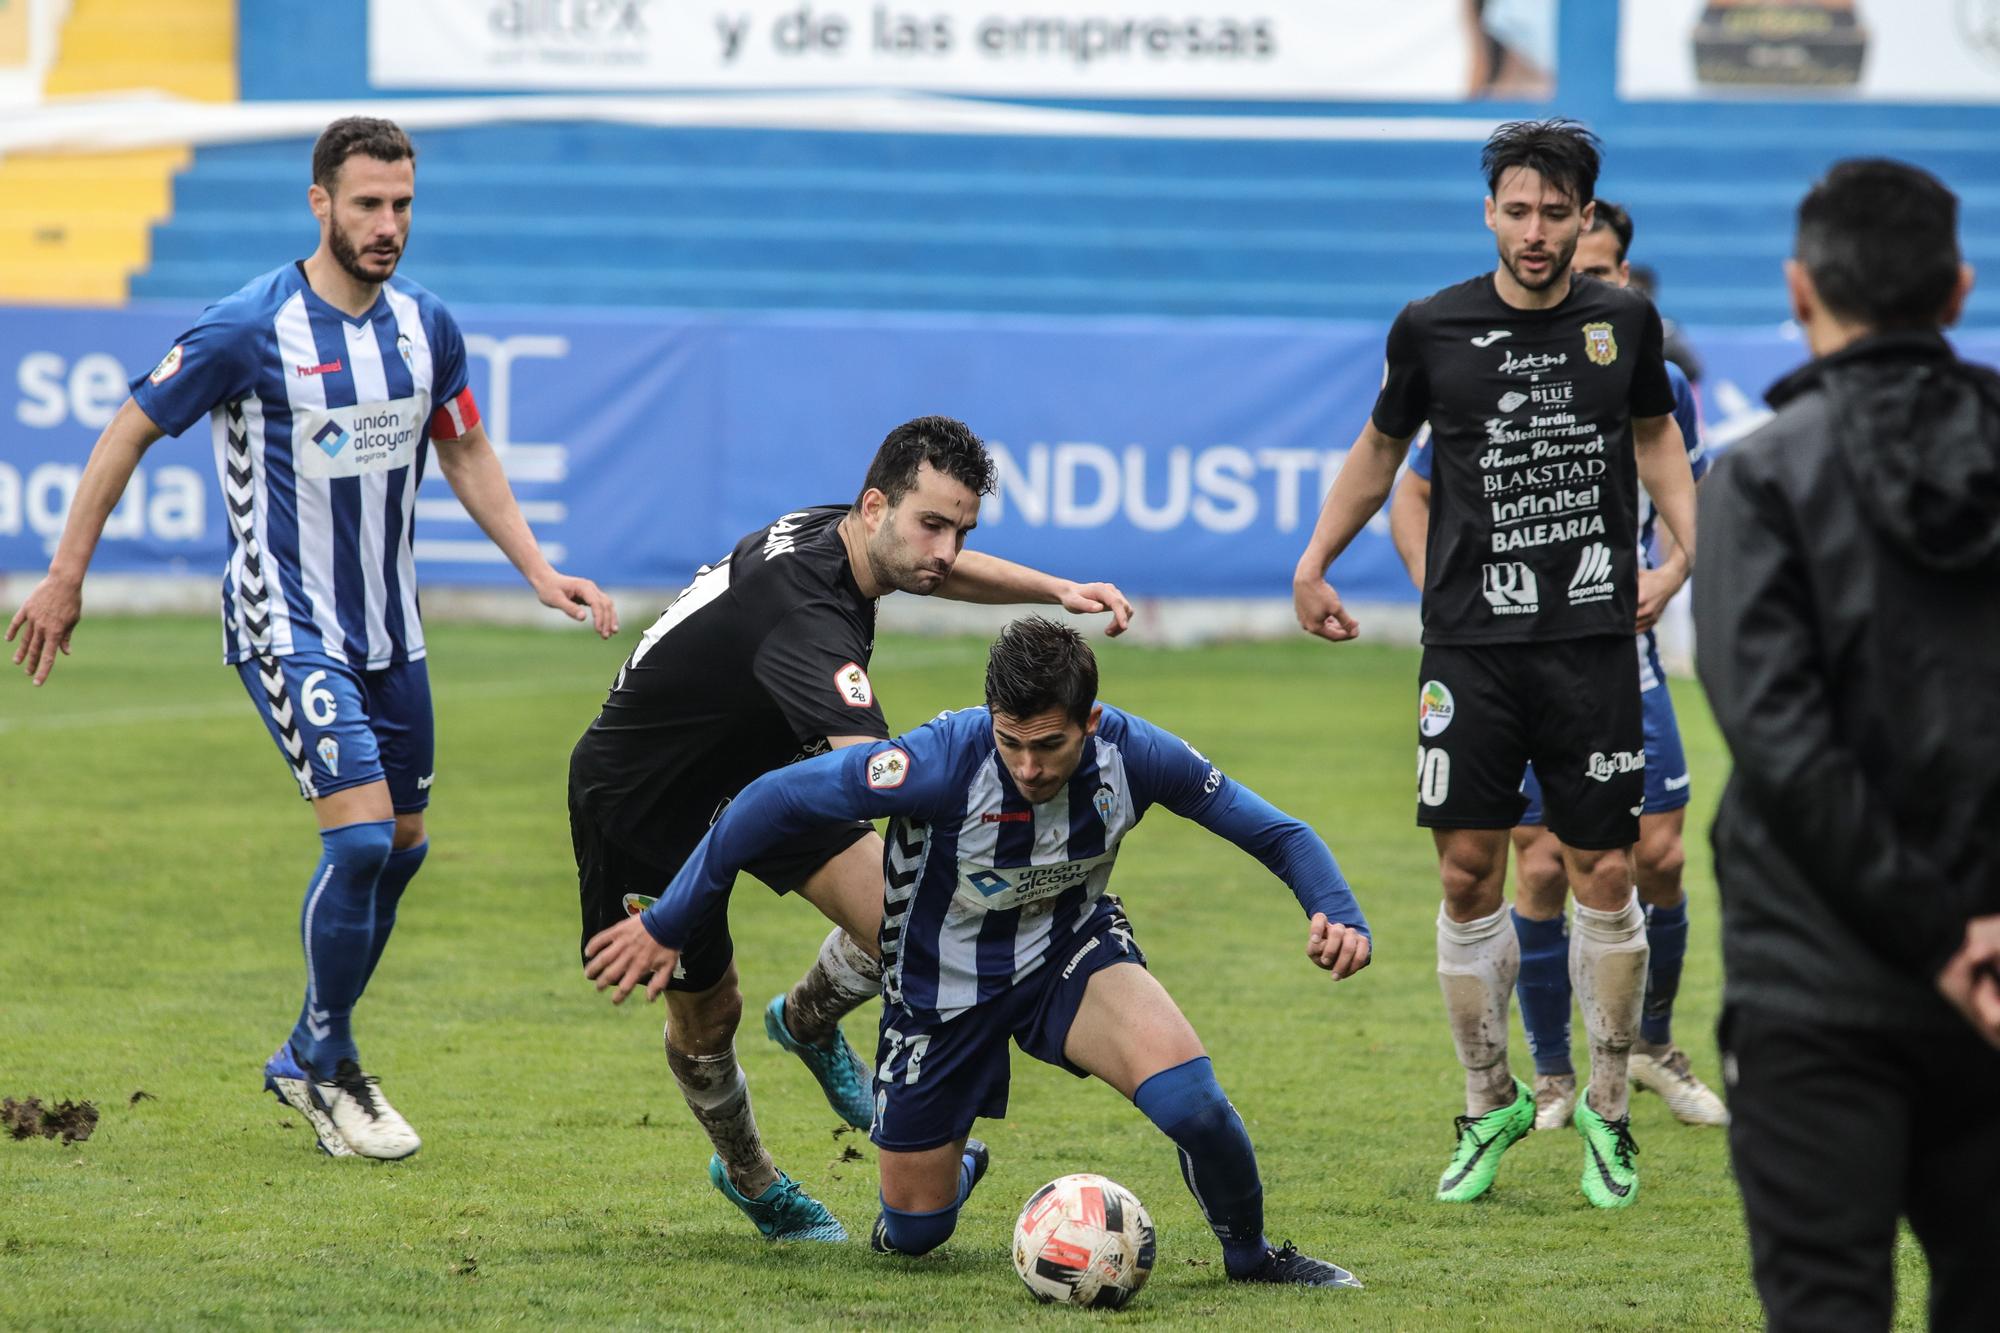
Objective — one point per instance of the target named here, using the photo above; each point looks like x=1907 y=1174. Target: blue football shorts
x=934 y=1077
x=336 y=727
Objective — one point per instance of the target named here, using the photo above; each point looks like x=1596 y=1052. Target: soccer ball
x=1085 y=1240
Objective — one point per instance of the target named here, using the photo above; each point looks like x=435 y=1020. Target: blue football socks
x=920 y=1233
x=1217 y=1161
x=397 y=872
x=1543 y=986
x=337 y=927
x=1667 y=937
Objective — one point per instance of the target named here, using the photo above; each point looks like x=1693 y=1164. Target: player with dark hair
x=1658 y=857
x=997 y=922
x=1848 y=652
x=1548 y=403
x=761 y=661
x=328 y=383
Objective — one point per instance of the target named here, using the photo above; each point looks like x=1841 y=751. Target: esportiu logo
x=1592 y=580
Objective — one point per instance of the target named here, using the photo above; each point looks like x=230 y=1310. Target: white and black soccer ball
x=1084 y=1240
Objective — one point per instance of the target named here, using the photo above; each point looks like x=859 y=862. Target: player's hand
x=1320 y=612
x=1971 y=979
x=621 y=954
x=1089 y=598
x=1656 y=588
x=1341 y=950
x=44 y=623
x=580 y=599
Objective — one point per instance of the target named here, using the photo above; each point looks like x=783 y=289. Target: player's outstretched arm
x=1410 y=523
x=884 y=778
x=991 y=581
x=53 y=607
x=480 y=482
x=1358 y=492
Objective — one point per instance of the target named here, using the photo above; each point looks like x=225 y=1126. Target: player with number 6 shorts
x=329 y=384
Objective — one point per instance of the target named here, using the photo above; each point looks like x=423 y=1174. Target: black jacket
x=1847 y=618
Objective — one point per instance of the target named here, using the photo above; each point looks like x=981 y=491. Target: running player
x=327 y=383
x=1544 y=988
x=1546 y=393
x=761 y=661
x=1005 y=826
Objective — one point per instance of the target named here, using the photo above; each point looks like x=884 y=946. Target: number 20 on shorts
x=1433 y=775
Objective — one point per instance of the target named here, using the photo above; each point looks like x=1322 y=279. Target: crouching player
x=1005 y=823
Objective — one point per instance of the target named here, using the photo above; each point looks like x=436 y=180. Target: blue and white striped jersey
x=322 y=424
x=982 y=888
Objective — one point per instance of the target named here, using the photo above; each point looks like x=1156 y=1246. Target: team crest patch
x=403 y=349
x=1599 y=345
x=169 y=364
x=852 y=683
x=329 y=754
x=888 y=769
x=1434 y=708
x=1105 y=801
x=637 y=903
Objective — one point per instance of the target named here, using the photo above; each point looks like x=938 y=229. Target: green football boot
x=1481 y=1141
x=1609 y=1178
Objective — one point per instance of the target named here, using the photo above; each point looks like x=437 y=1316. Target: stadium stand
x=75 y=226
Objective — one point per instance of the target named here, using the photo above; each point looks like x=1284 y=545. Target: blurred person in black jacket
x=1848 y=635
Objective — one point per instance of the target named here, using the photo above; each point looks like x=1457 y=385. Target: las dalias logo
x=888 y=769
x=1599 y=345
x=1434 y=708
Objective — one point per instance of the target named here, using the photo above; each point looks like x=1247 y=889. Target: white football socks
x=1607 y=970
x=1477 y=963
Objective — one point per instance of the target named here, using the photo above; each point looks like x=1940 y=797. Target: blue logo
x=331 y=438
x=988 y=882
x=1105 y=801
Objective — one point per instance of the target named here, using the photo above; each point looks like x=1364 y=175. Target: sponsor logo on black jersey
x=1510 y=589
x=1592 y=580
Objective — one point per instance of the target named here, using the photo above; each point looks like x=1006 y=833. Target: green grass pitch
x=151 y=868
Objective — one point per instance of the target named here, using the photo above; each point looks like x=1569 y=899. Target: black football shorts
x=607 y=872
x=1571 y=707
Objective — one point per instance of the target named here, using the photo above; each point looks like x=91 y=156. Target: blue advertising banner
x=1180 y=459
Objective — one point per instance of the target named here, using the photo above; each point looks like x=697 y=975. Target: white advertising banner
x=1428 y=50
x=1879 y=50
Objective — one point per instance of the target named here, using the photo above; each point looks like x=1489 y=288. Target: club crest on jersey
x=637 y=903
x=329 y=754
x=1104 y=801
x=852 y=684
x=1434 y=708
x=169 y=364
x=404 y=349
x=1599 y=345
x=888 y=769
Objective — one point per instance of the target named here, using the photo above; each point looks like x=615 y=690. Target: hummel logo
x=1493 y=337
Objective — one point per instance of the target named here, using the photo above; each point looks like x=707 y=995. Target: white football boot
x=1692 y=1101
x=1555 y=1100
x=355 y=1104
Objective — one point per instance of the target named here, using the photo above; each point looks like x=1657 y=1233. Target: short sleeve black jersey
x=757 y=663
x=1534 y=492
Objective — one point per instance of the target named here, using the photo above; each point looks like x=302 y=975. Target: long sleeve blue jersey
x=981 y=886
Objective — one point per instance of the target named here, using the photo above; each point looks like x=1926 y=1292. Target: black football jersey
x=758 y=661
x=1534 y=493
